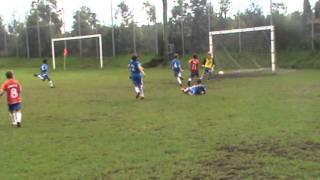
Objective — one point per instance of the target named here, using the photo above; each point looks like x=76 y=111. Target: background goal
x=98 y=49
x=243 y=50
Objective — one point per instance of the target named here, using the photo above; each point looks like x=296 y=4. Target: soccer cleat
x=18 y=124
x=181 y=78
x=138 y=95
x=142 y=97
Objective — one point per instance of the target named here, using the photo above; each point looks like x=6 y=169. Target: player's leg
x=190 y=79
x=16 y=109
x=12 y=119
x=51 y=84
x=211 y=71
x=205 y=73
x=15 y=114
x=141 y=89
x=18 y=117
x=136 y=86
x=179 y=77
x=40 y=76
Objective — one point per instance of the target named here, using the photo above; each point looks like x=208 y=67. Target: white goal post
x=76 y=38
x=262 y=28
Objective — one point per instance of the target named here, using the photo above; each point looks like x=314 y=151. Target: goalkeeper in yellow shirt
x=208 y=65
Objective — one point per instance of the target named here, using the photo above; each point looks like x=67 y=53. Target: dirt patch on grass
x=306 y=151
x=243 y=161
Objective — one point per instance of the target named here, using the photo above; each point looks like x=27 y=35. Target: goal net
x=244 y=50
x=82 y=51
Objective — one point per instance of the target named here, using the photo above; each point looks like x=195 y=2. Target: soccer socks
x=51 y=84
x=141 y=91
x=18 y=116
x=189 y=82
x=136 y=88
x=40 y=77
x=179 y=80
x=13 y=119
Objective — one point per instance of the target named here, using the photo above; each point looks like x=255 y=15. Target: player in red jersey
x=194 y=68
x=13 y=89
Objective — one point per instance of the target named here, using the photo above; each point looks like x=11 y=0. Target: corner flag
x=65 y=52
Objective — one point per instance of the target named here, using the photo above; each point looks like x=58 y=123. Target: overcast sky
x=10 y=9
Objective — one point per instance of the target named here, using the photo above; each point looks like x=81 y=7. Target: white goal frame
x=76 y=38
x=262 y=28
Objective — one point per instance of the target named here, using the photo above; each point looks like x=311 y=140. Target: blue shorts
x=14 y=107
x=44 y=76
x=207 y=70
x=176 y=72
x=136 y=80
x=194 y=74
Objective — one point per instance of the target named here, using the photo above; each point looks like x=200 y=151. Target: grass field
x=91 y=127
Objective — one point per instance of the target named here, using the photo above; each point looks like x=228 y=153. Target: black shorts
x=194 y=74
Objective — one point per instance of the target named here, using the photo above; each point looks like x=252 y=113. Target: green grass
x=91 y=127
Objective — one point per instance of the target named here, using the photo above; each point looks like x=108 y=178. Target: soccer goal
x=244 y=50
x=65 y=39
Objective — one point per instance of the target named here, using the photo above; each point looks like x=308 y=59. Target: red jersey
x=194 y=64
x=13 y=89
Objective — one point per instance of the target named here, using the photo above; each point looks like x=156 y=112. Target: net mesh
x=245 y=51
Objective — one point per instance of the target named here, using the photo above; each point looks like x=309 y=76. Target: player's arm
x=141 y=69
x=2 y=90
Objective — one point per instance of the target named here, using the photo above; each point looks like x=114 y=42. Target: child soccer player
x=198 y=89
x=208 y=65
x=194 y=68
x=13 y=89
x=44 y=73
x=137 y=72
x=176 y=67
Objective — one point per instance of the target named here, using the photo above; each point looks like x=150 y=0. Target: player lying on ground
x=44 y=73
x=194 y=69
x=177 y=70
x=13 y=89
x=208 y=65
x=198 y=89
x=137 y=73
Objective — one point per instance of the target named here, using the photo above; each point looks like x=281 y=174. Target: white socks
x=51 y=84
x=141 y=91
x=18 y=117
x=15 y=117
x=137 y=89
x=39 y=76
x=179 y=80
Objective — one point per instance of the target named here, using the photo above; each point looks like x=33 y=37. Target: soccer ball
x=221 y=73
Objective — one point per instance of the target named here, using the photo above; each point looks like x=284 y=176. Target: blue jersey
x=176 y=64
x=135 y=67
x=198 y=90
x=44 y=69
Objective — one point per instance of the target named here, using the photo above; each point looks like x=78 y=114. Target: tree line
x=186 y=28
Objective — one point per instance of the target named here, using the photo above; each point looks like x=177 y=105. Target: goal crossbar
x=76 y=38
x=261 y=28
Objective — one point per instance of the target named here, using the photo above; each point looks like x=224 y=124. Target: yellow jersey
x=209 y=63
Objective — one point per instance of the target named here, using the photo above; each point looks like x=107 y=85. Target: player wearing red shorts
x=13 y=89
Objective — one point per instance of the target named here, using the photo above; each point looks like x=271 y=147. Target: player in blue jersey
x=177 y=70
x=198 y=89
x=137 y=73
x=44 y=73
